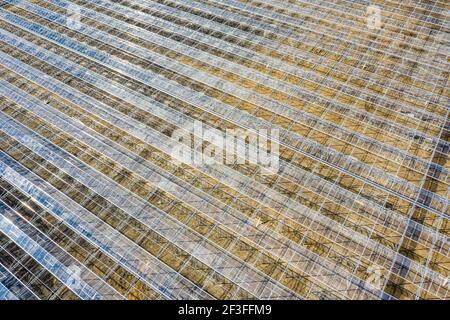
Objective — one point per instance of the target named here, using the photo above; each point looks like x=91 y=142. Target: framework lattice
x=92 y=206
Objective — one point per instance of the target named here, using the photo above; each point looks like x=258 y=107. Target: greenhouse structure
x=224 y=149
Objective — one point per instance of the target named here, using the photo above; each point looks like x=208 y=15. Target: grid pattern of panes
x=92 y=205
